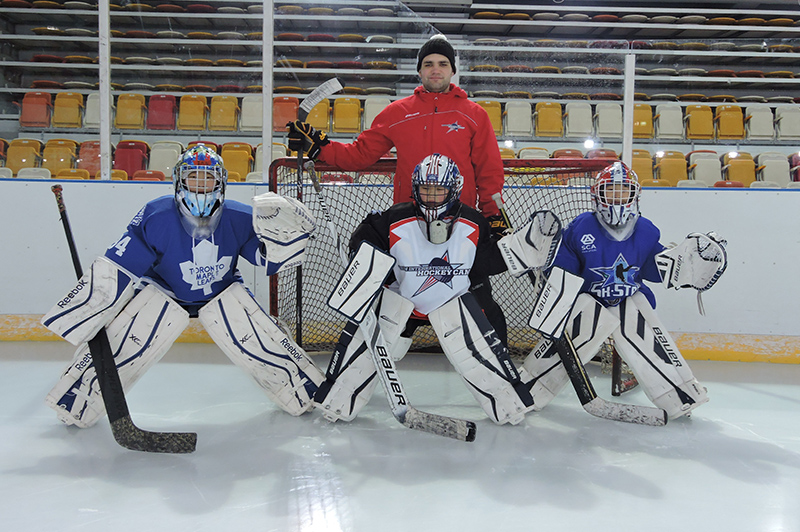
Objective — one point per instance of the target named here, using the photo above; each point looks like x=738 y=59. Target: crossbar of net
x=560 y=185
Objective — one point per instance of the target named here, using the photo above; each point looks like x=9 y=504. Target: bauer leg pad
x=645 y=345
x=478 y=355
x=589 y=325
x=139 y=336
x=253 y=341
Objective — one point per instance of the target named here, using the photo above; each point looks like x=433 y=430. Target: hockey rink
x=734 y=466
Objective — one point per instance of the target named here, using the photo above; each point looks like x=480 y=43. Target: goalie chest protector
x=429 y=274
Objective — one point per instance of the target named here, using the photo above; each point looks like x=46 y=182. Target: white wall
x=757 y=295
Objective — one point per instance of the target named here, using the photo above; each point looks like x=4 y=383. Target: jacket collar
x=454 y=91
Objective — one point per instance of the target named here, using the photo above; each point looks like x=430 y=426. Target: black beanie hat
x=438 y=44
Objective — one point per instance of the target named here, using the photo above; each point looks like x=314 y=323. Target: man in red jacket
x=437 y=118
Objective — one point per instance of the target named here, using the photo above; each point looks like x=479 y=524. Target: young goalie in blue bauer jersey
x=605 y=256
x=178 y=259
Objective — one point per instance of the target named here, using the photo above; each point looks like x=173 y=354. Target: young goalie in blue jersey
x=596 y=289
x=178 y=259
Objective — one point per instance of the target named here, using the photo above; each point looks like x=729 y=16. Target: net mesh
x=299 y=296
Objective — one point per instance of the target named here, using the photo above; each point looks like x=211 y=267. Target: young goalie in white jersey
x=178 y=259
x=596 y=289
x=443 y=251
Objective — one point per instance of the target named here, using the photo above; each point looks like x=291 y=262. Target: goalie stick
x=125 y=432
x=325 y=90
x=402 y=410
x=596 y=406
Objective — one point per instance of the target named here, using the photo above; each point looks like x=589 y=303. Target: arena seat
x=161 y=111
x=373 y=105
x=73 y=173
x=23 y=153
x=699 y=122
x=495 y=112
x=668 y=121
x=608 y=120
x=704 y=166
x=773 y=167
x=578 y=119
x=284 y=110
x=33 y=173
x=36 y=109
x=89 y=156
x=642 y=121
x=642 y=164
x=131 y=156
x=192 y=113
x=148 y=175
x=670 y=166
x=6 y=173
x=68 y=110
x=759 y=122
x=319 y=116
x=238 y=158
x=787 y=122
x=656 y=183
x=567 y=152
x=533 y=152
x=163 y=157
x=346 y=115
x=224 y=113
x=547 y=120
x=251 y=113
x=59 y=154
x=739 y=167
x=130 y=111
x=91 y=114
x=729 y=122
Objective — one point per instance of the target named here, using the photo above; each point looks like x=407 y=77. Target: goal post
x=560 y=185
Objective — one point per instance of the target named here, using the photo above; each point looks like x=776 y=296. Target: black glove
x=498 y=226
x=302 y=136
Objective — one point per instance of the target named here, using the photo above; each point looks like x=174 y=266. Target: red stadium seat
x=161 y=112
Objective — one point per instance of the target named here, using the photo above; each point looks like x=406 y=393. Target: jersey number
x=121 y=245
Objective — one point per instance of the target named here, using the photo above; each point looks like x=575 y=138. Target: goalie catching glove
x=532 y=246
x=697 y=262
x=283 y=225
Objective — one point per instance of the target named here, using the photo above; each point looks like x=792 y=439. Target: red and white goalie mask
x=615 y=195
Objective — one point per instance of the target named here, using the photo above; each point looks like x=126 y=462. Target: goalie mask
x=436 y=186
x=199 y=178
x=615 y=195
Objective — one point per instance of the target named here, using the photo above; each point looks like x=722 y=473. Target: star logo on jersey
x=438 y=270
x=206 y=267
x=617 y=281
x=455 y=126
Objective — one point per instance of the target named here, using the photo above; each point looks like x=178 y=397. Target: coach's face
x=436 y=73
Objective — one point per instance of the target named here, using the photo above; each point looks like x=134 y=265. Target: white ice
x=733 y=467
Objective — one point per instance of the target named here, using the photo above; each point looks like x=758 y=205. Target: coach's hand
x=498 y=226
x=303 y=136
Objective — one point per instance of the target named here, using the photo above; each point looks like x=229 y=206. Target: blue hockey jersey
x=156 y=247
x=612 y=270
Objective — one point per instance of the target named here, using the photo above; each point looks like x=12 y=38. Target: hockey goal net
x=299 y=296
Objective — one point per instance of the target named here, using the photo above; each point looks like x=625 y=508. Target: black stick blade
x=131 y=437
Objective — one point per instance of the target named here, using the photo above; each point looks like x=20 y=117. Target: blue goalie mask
x=200 y=178
x=615 y=195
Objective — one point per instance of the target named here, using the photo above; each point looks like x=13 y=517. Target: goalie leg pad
x=361 y=282
x=254 y=342
x=645 y=345
x=590 y=324
x=393 y=313
x=139 y=337
x=478 y=355
x=94 y=301
x=554 y=302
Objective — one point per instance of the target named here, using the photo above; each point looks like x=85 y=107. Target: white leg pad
x=589 y=325
x=478 y=355
x=350 y=380
x=139 y=336
x=393 y=313
x=645 y=345
x=254 y=341
x=92 y=303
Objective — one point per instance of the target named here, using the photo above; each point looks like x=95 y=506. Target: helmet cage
x=200 y=180
x=615 y=195
x=436 y=170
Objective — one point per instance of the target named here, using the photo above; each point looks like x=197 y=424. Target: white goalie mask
x=615 y=195
x=200 y=179
x=436 y=187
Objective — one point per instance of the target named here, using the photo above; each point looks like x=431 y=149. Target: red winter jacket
x=426 y=123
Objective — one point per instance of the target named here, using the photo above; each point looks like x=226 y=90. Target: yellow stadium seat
x=656 y=183
x=68 y=110
x=670 y=166
x=238 y=158
x=642 y=164
x=224 y=113
x=547 y=120
x=59 y=154
x=73 y=173
x=319 y=116
x=729 y=120
x=346 y=115
x=130 y=111
x=23 y=153
x=116 y=175
x=739 y=167
x=507 y=153
x=192 y=112
x=699 y=120
x=642 y=121
x=495 y=112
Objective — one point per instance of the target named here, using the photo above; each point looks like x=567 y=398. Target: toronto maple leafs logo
x=206 y=267
x=617 y=281
x=438 y=270
x=455 y=126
